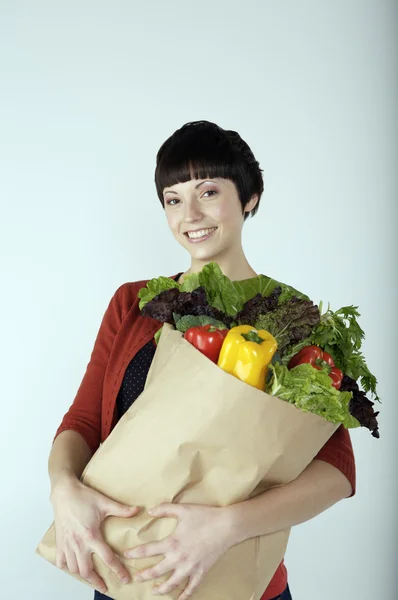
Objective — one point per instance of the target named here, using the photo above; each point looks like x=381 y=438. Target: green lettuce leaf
x=231 y=296
x=312 y=391
x=157 y=335
x=154 y=287
x=222 y=293
x=220 y=290
x=264 y=285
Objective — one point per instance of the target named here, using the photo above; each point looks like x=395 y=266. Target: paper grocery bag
x=197 y=434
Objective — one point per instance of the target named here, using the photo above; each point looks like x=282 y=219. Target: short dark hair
x=202 y=149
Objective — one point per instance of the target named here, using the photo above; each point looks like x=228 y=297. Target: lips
x=199 y=235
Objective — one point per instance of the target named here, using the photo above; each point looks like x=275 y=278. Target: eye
x=169 y=202
x=210 y=192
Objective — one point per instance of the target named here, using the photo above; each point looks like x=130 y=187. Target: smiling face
x=205 y=217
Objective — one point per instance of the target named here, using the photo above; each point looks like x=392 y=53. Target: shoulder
x=126 y=295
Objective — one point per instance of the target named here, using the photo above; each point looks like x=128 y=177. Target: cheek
x=172 y=221
x=226 y=212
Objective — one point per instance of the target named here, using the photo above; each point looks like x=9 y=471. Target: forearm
x=317 y=488
x=69 y=455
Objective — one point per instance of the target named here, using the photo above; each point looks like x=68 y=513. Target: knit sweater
x=94 y=411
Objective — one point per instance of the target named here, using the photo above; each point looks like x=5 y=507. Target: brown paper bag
x=197 y=435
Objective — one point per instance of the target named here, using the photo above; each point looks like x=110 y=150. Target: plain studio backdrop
x=89 y=92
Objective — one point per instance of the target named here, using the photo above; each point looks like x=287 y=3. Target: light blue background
x=89 y=92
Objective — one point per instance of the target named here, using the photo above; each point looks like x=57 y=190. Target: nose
x=192 y=211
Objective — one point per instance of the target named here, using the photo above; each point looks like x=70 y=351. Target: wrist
x=232 y=519
x=62 y=483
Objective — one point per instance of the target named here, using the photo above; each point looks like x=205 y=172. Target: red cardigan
x=93 y=414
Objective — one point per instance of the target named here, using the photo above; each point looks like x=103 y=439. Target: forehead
x=193 y=184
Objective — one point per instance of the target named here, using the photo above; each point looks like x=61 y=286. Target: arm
x=79 y=512
x=84 y=415
x=69 y=455
x=317 y=488
x=326 y=480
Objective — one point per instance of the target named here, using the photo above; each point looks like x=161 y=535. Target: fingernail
x=125 y=580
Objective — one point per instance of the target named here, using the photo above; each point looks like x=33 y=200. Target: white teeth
x=201 y=233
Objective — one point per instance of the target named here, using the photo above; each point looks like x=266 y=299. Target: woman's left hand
x=203 y=534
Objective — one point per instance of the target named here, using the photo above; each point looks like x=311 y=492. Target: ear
x=252 y=203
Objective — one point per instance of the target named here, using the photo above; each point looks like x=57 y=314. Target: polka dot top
x=135 y=376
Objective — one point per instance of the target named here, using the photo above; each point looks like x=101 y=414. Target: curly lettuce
x=311 y=390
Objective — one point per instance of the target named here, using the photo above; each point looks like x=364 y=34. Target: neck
x=234 y=265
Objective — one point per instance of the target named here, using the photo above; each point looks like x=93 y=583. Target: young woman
x=208 y=183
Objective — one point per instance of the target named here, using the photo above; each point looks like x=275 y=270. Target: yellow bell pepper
x=246 y=353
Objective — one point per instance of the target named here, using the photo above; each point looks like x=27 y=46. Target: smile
x=200 y=235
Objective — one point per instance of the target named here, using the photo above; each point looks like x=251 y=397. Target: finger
x=71 y=561
x=112 y=561
x=87 y=572
x=166 y=509
x=117 y=509
x=60 y=560
x=168 y=586
x=150 y=549
x=192 y=585
x=157 y=571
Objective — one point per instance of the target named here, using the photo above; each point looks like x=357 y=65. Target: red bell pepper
x=207 y=339
x=315 y=356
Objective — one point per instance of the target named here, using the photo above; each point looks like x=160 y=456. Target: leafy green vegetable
x=288 y=293
x=360 y=406
x=187 y=321
x=340 y=334
x=258 y=305
x=248 y=288
x=157 y=335
x=165 y=305
x=294 y=349
x=291 y=322
x=212 y=294
x=311 y=390
x=220 y=290
x=224 y=294
x=155 y=287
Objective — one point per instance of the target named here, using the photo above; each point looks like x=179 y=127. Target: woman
x=208 y=183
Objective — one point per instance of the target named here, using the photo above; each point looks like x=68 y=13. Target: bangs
x=195 y=157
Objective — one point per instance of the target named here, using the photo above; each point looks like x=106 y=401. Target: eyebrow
x=196 y=186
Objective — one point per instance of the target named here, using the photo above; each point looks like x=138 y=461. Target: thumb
x=117 y=509
x=166 y=509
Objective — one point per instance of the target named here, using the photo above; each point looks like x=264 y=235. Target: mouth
x=195 y=237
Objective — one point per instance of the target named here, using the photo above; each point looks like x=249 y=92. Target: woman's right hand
x=78 y=513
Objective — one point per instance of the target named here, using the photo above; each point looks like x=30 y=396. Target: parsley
x=340 y=334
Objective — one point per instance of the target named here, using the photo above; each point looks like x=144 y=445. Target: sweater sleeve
x=338 y=452
x=84 y=414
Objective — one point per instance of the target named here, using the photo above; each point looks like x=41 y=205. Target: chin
x=207 y=252
x=203 y=254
